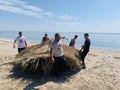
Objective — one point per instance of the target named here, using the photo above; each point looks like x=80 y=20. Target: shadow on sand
x=38 y=79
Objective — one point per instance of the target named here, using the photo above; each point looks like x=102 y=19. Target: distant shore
x=102 y=72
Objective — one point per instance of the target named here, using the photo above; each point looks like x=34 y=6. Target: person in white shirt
x=56 y=55
x=21 y=41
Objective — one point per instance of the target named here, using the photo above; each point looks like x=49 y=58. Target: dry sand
x=102 y=73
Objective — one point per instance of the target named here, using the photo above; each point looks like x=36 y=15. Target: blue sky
x=60 y=15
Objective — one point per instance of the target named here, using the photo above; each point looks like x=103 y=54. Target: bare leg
x=83 y=65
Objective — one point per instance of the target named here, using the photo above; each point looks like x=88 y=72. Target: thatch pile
x=36 y=58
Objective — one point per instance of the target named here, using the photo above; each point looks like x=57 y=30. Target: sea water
x=109 y=41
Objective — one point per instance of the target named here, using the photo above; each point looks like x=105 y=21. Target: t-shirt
x=21 y=42
x=57 y=48
x=87 y=45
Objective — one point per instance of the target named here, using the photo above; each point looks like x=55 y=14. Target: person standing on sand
x=85 y=49
x=21 y=41
x=72 y=42
x=56 y=55
x=45 y=38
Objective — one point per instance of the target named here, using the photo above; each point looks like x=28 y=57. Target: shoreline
x=32 y=43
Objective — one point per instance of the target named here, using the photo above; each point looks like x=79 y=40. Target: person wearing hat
x=45 y=38
x=21 y=41
x=56 y=55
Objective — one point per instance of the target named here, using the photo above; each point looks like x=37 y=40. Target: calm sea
x=109 y=41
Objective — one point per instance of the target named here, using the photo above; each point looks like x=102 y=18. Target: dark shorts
x=59 y=64
x=83 y=55
x=20 y=49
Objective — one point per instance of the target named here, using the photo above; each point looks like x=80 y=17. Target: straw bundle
x=36 y=58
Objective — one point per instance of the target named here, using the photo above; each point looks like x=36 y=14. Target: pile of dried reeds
x=36 y=58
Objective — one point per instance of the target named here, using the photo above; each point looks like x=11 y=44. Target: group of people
x=56 y=50
x=22 y=43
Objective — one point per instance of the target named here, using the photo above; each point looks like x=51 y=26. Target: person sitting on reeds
x=45 y=38
x=72 y=42
x=56 y=55
x=85 y=49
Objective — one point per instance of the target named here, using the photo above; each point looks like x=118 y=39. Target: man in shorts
x=85 y=49
x=21 y=41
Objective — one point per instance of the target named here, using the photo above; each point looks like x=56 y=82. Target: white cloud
x=48 y=14
x=20 y=7
x=23 y=8
x=11 y=2
x=5 y=2
x=19 y=11
x=32 y=8
x=69 y=23
x=67 y=17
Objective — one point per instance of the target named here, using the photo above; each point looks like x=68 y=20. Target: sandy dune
x=102 y=73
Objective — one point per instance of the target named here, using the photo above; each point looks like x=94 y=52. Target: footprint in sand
x=92 y=54
x=116 y=57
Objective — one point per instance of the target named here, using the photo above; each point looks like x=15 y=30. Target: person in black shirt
x=85 y=49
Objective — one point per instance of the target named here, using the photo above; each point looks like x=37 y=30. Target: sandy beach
x=102 y=72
